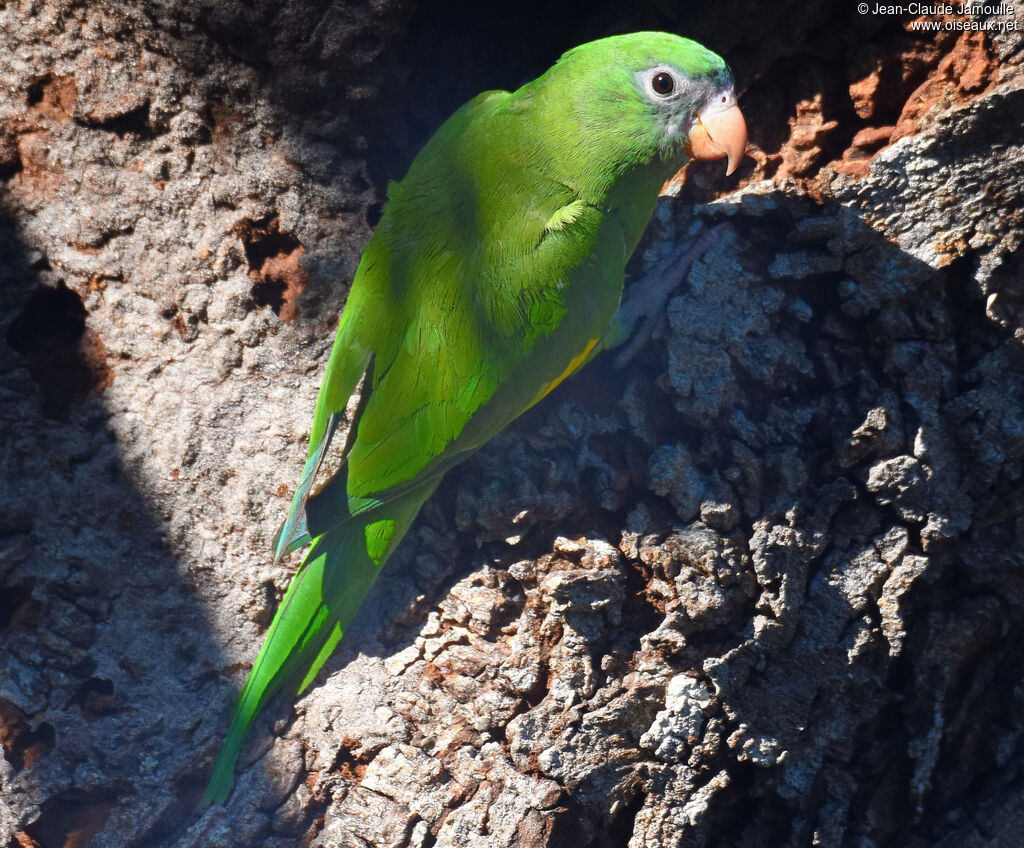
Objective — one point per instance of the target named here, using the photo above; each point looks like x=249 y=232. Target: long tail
x=321 y=601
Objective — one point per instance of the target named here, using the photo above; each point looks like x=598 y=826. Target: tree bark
x=761 y=587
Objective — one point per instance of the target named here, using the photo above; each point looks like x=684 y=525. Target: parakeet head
x=659 y=92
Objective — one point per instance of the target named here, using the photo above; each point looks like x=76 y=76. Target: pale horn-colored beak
x=718 y=132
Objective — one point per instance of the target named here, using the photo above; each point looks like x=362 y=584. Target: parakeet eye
x=663 y=83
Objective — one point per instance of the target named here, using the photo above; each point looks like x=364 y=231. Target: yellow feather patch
x=574 y=363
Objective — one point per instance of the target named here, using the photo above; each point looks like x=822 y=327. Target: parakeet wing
x=445 y=320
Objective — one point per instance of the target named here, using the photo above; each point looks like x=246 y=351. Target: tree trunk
x=761 y=587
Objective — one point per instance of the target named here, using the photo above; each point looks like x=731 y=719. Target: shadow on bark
x=106 y=653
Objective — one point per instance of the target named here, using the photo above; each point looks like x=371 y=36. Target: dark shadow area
x=49 y=331
x=98 y=634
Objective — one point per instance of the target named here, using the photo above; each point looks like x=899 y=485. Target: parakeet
x=495 y=272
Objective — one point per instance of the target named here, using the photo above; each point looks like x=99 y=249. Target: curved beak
x=717 y=133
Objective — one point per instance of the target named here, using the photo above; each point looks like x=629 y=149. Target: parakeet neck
x=632 y=196
x=609 y=156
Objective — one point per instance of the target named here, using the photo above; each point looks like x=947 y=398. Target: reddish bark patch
x=864 y=91
x=807 y=130
x=674 y=184
x=236 y=668
x=275 y=265
x=53 y=97
x=965 y=72
x=95 y=698
x=71 y=819
x=843 y=111
x=178 y=323
x=24 y=138
x=21 y=744
x=348 y=763
x=224 y=123
x=856 y=161
x=957 y=68
x=93 y=355
x=536 y=827
x=38 y=178
x=950 y=251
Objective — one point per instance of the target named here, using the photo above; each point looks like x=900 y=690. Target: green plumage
x=493 y=274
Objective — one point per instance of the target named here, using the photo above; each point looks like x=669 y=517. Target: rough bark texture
x=762 y=587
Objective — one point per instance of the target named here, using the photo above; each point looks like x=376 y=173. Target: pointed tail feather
x=321 y=601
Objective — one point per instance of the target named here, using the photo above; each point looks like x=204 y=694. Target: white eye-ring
x=662 y=83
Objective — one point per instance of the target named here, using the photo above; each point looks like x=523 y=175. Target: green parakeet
x=495 y=272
